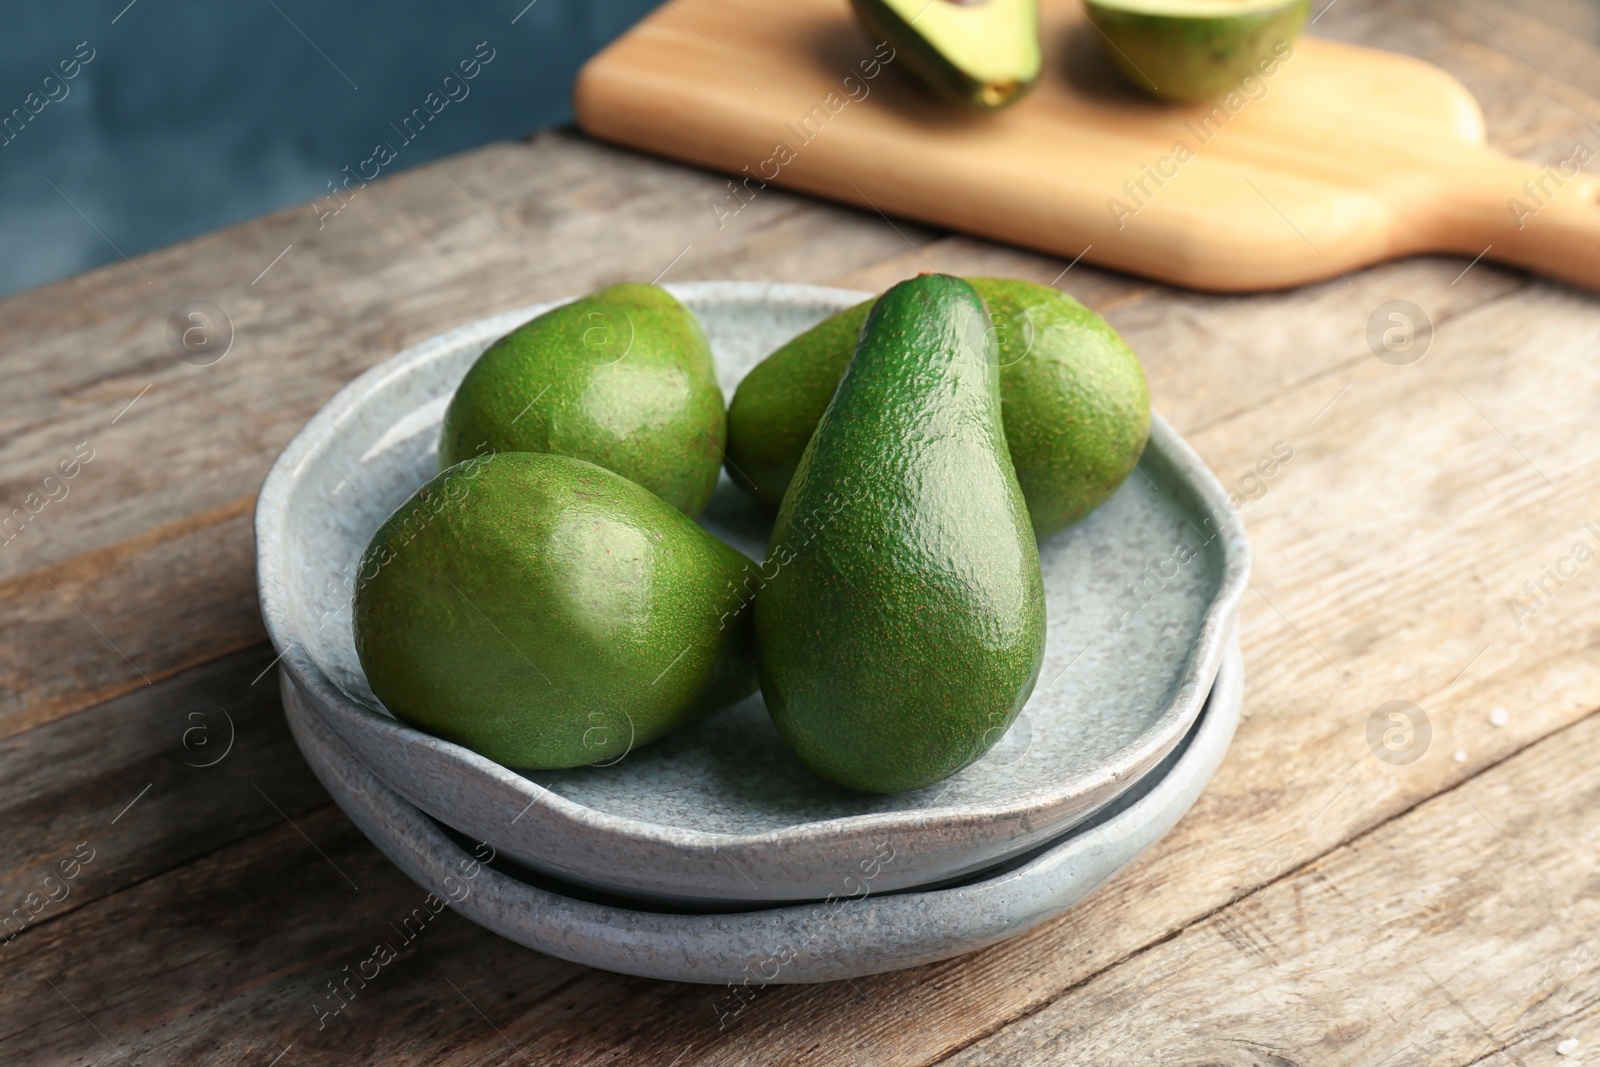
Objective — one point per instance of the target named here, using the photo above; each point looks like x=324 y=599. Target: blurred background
x=186 y=116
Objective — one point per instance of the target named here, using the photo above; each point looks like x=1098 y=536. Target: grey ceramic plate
x=721 y=811
x=858 y=931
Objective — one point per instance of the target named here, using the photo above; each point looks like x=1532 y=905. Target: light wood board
x=1339 y=156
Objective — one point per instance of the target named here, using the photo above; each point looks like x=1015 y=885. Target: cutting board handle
x=1546 y=219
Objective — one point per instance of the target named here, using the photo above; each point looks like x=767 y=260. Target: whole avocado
x=622 y=378
x=904 y=627
x=546 y=612
x=1073 y=395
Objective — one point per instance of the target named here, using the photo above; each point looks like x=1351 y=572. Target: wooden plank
x=175 y=970
x=1398 y=615
x=1578 y=1033
x=141 y=785
x=410 y=257
x=1301 y=779
x=1445 y=936
x=119 y=618
x=1555 y=42
x=1465 y=923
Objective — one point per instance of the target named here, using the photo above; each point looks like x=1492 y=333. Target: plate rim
x=627 y=940
x=1133 y=760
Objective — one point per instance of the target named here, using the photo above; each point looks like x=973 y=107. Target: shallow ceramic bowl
x=721 y=810
x=855 y=932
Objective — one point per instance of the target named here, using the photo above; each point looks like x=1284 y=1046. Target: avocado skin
x=777 y=405
x=904 y=626
x=935 y=69
x=1074 y=398
x=622 y=378
x=545 y=612
x=1188 y=59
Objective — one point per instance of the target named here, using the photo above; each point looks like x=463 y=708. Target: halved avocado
x=1191 y=50
x=983 y=52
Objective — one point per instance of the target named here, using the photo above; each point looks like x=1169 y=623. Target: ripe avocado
x=546 y=612
x=983 y=52
x=904 y=628
x=1190 y=50
x=622 y=378
x=1074 y=398
x=777 y=404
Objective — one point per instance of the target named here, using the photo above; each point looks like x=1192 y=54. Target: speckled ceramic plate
x=1140 y=597
x=857 y=930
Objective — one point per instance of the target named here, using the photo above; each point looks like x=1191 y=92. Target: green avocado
x=903 y=627
x=622 y=378
x=1074 y=398
x=982 y=52
x=545 y=612
x=1191 y=50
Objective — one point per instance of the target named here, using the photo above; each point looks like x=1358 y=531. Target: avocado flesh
x=545 y=612
x=982 y=52
x=904 y=626
x=1196 y=50
x=622 y=378
x=1073 y=395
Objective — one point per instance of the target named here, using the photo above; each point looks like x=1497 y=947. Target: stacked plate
x=713 y=855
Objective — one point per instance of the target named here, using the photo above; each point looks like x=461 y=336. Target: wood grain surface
x=1318 y=906
x=1331 y=158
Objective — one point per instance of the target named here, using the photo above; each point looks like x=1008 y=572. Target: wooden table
x=191 y=901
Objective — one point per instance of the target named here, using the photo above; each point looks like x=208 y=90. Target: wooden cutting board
x=1337 y=158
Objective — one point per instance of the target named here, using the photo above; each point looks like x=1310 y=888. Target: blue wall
x=191 y=115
